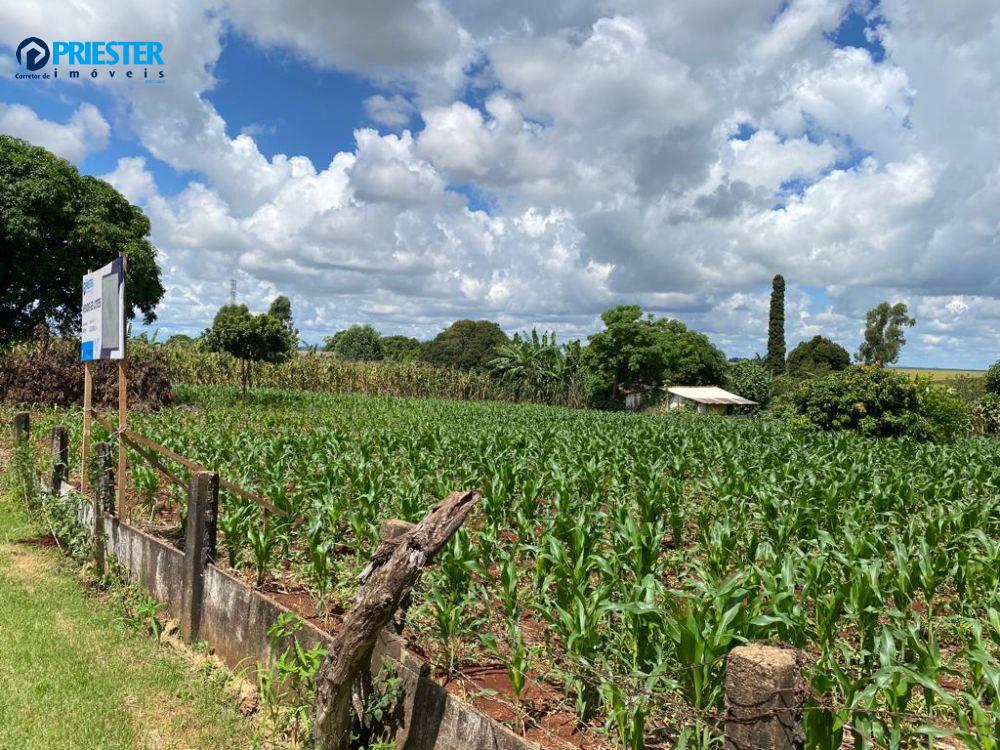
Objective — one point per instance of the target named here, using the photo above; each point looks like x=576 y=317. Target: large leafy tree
x=356 y=344
x=249 y=338
x=281 y=308
x=636 y=352
x=400 y=348
x=817 y=356
x=465 y=345
x=776 y=326
x=884 y=335
x=55 y=226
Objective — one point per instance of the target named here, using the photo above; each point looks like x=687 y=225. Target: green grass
x=74 y=674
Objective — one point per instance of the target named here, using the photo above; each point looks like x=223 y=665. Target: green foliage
x=535 y=368
x=776 y=326
x=817 y=356
x=993 y=378
x=641 y=353
x=985 y=416
x=55 y=226
x=359 y=343
x=618 y=557
x=281 y=308
x=750 y=379
x=249 y=338
x=288 y=685
x=884 y=335
x=400 y=348
x=877 y=402
x=465 y=345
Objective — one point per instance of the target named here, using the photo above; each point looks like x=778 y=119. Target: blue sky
x=413 y=164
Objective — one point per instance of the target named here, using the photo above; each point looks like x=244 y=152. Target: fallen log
x=388 y=579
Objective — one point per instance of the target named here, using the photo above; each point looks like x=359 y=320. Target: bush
x=52 y=373
x=985 y=417
x=879 y=403
x=993 y=378
x=818 y=355
x=356 y=344
x=465 y=345
x=751 y=380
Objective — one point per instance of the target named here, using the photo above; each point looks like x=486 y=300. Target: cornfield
x=615 y=559
x=319 y=372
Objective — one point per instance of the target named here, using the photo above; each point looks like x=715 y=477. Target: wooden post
x=390 y=529
x=763 y=699
x=199 y=547
x=104 y=504
x=22 y=428
x=88 y=384
x=60 y=457
x=389 y=577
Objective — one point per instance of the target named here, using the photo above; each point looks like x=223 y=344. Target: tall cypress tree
x=776 y=327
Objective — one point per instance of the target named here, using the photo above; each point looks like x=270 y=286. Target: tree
x=640 y=353
x=465 y=345
x=776 y=326
x=55 y=226
x=400 y=348
x=281 y=308
x=249 y=338
x=884 y=335
x=817 y=356
x=993 y=378
x=356 y=344
x=534 y=366
x=180 y=339
x=750 y=379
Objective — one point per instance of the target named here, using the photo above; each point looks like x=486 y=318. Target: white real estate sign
x=102 y=332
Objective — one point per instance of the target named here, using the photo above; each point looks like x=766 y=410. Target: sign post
x=102 y=336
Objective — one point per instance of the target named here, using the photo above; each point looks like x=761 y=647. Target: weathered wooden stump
x=389 y=577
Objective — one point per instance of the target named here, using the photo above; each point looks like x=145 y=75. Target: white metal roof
x=709 y=394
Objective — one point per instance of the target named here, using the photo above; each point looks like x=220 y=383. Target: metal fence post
x=199 y=547
x=60 y=457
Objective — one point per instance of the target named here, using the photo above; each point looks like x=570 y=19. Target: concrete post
x=22 y=427
x=763 y=699
x=60 y=457
x=199 y=547
x=104 y=503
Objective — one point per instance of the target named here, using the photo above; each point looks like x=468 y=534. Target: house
x=709 y=399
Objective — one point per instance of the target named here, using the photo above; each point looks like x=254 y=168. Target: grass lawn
x=75 y=676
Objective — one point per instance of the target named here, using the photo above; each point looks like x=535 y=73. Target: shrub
x=944 y=413
x=52 y=373
x=878 y=402
x=751 y=380
x=985 y=417
x=993 y=378
x=818 y=355
x=356 y=344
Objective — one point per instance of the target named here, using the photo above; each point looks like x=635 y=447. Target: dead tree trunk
x=386 y=581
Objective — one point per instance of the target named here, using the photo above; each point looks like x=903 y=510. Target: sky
x=407 y=164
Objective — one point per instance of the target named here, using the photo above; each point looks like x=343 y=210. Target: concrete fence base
x=234 y=620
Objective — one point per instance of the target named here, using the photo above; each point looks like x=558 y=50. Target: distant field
x=942 y=374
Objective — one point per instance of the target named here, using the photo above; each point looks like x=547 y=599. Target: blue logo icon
x=36 y=53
